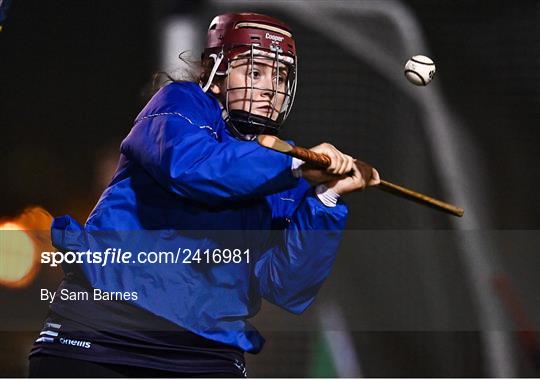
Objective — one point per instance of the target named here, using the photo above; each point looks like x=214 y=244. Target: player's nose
x=268 y=79
x=268 y=87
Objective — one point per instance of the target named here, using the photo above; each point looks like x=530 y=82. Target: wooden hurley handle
x=324 y=161
x=421 y=198
x=310 y=156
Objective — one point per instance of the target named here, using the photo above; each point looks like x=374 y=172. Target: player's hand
x=341 y=164
x=362 y=176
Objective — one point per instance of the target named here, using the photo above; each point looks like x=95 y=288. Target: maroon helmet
x=251 y=37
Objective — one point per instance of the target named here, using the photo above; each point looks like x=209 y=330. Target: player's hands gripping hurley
x=363 y=174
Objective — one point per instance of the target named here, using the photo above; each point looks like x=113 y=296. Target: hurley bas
x=95 y=295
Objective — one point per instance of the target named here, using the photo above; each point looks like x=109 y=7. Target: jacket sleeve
x=291 y=272
x=186 y=158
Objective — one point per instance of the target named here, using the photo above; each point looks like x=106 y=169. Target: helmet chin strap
x=230 y=125
x=217 y=61
x=249 y=126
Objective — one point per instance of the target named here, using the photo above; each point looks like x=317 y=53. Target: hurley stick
x=324 y=161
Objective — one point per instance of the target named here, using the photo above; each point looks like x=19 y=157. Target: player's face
x=269 y=86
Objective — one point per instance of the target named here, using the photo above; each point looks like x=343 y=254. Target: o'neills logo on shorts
x=74 y=342
x=273 y=37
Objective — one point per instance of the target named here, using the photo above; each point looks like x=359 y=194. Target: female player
x=213 y=223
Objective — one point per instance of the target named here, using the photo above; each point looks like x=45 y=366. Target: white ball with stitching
x=419 y=70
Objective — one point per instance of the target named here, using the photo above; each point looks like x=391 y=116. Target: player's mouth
x=266 y=109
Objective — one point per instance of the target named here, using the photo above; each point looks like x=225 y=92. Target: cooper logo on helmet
x=272 y=37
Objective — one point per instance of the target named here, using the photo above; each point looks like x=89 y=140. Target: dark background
x=74 y=74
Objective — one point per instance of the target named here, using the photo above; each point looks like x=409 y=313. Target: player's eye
x=280 y=79
x=255 y=74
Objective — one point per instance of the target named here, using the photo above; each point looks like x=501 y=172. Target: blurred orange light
x=21 y=240
x=17 y=256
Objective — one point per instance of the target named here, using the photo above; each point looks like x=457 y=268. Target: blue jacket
x=184 y=181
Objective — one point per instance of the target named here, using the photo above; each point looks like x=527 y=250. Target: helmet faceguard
x=253 y=40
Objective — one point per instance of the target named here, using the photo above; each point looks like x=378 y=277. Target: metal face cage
x=249 y=121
